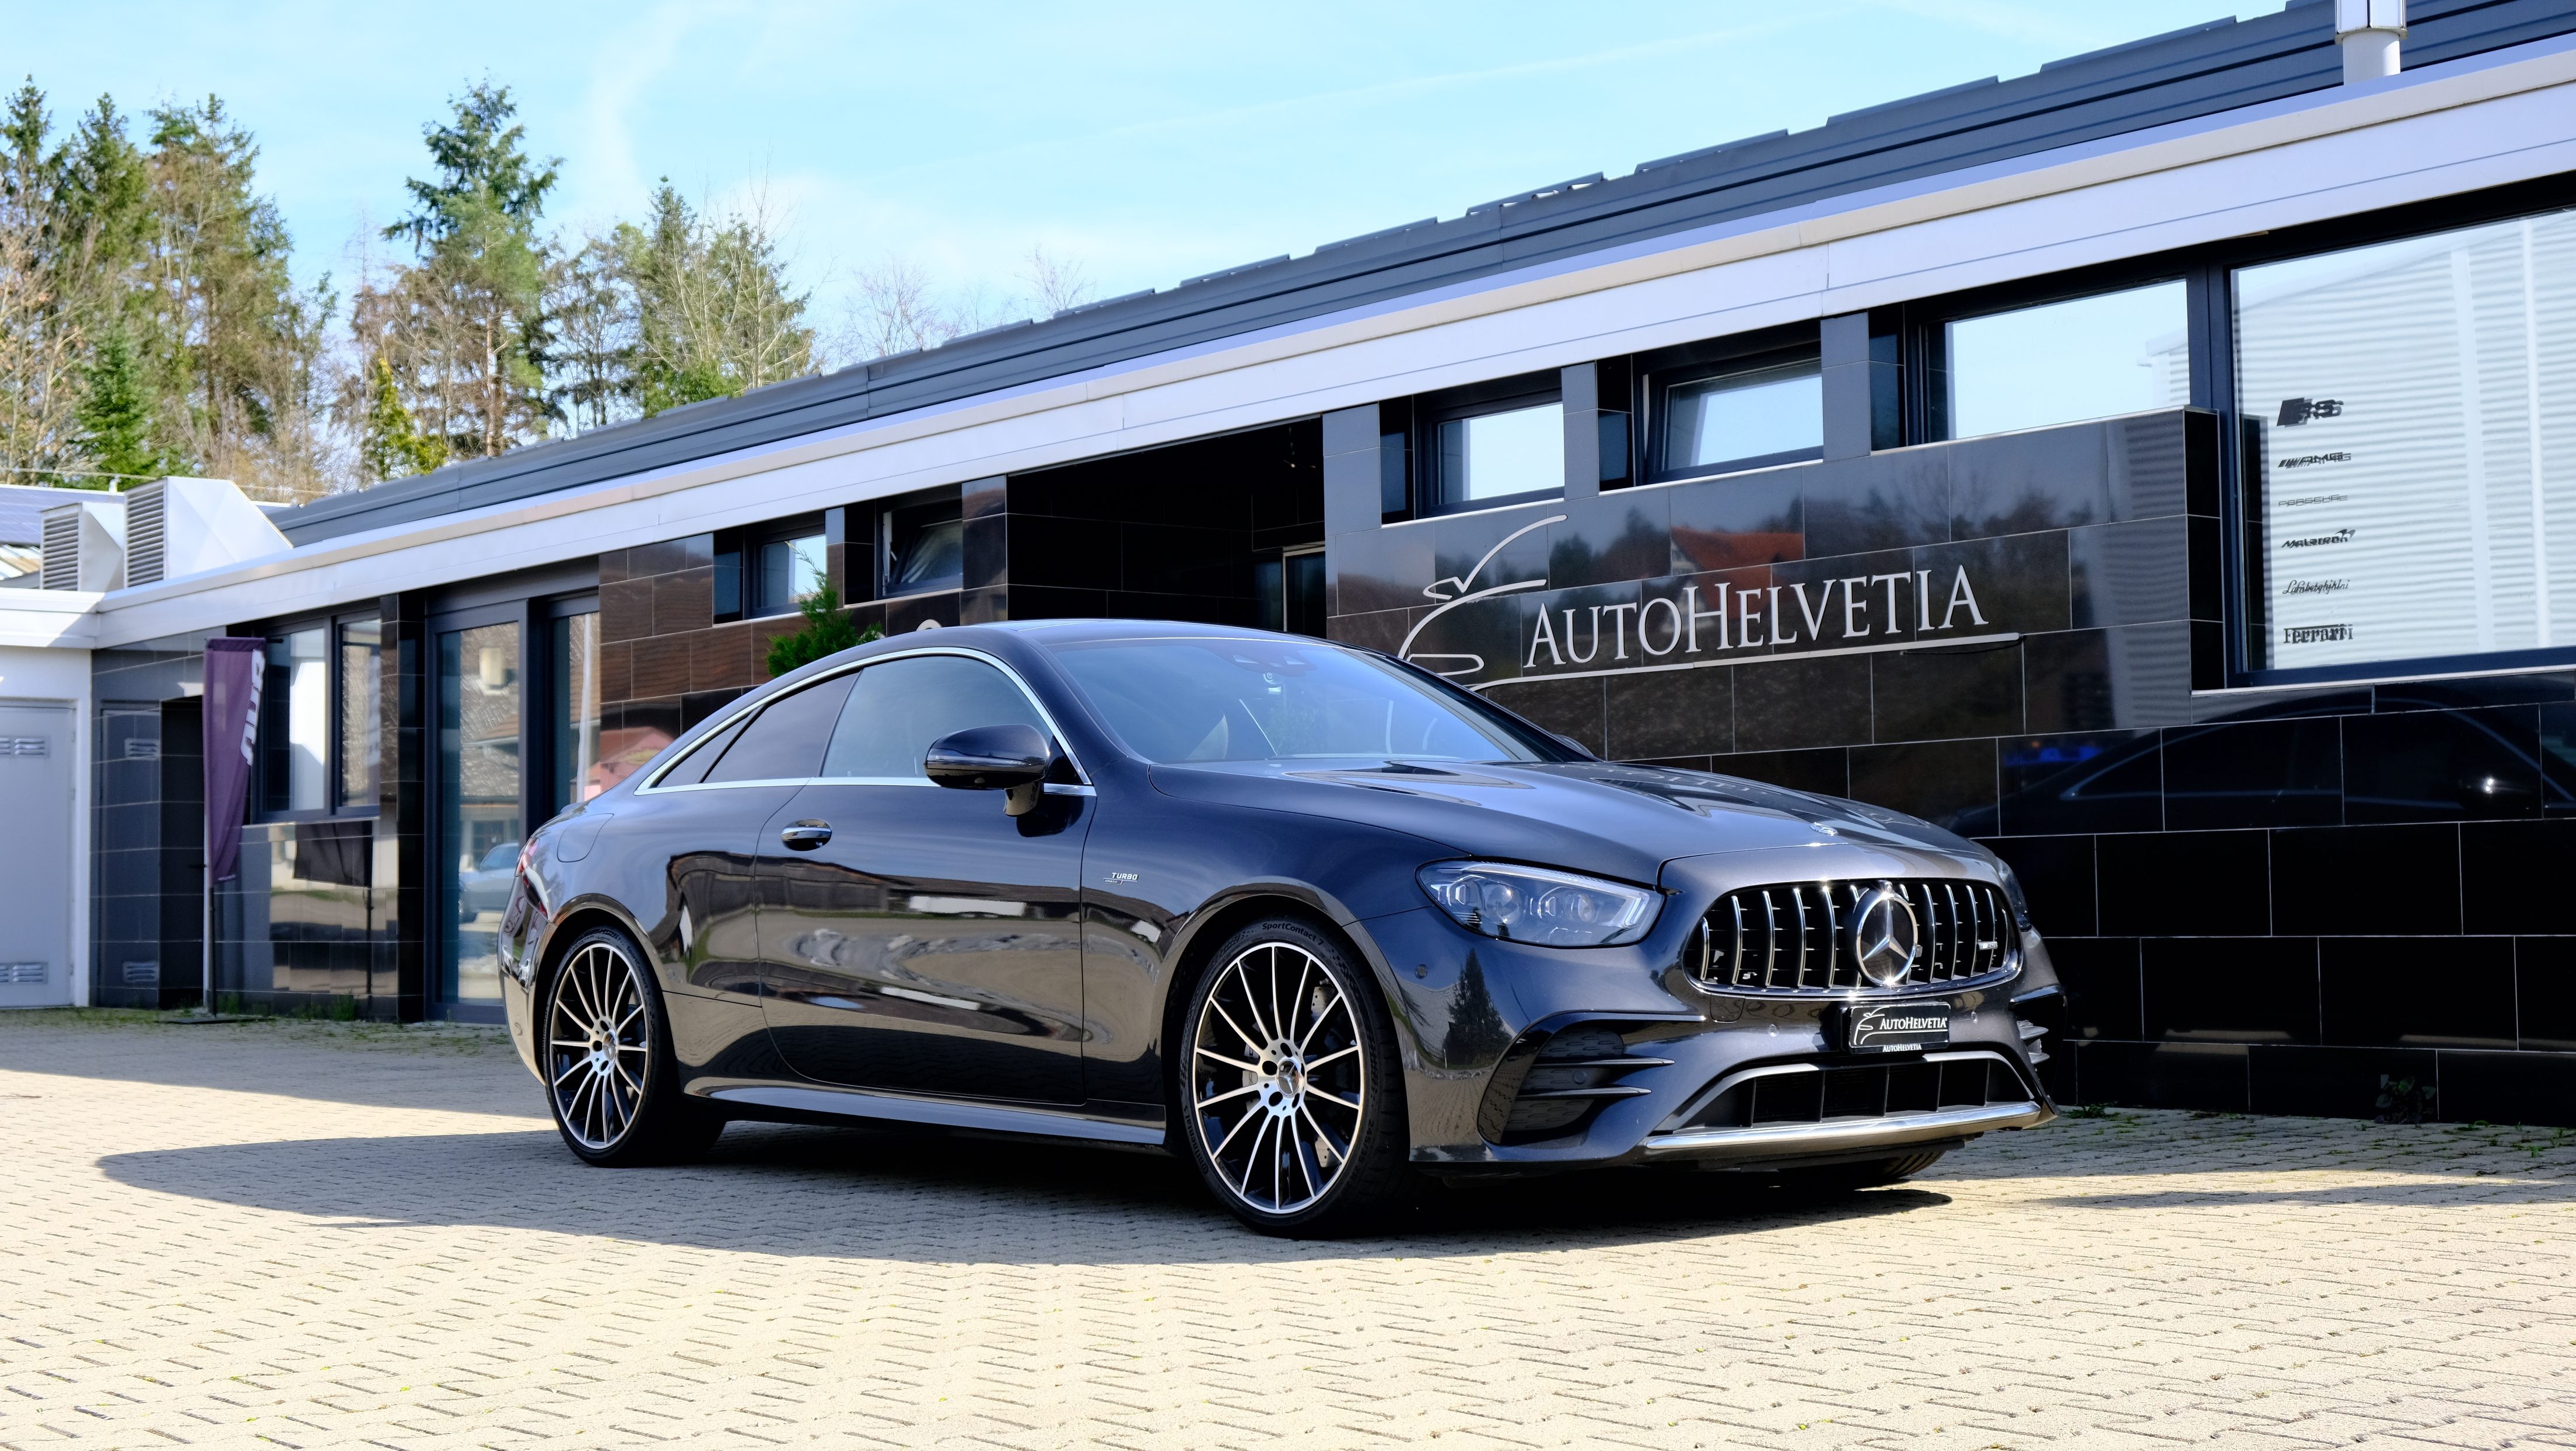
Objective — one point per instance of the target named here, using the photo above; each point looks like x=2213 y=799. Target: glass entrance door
x=479 y=818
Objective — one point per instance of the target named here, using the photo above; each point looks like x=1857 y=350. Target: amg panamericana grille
x=1797 y=936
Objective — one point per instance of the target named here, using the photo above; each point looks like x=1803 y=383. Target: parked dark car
x=1317 y=920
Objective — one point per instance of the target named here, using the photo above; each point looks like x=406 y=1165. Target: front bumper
x=1766 y=1144
x=1493 y=1027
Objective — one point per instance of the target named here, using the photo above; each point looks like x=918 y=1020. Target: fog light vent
x=1549 y=1084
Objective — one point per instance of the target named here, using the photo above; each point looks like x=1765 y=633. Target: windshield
x=1255 y=699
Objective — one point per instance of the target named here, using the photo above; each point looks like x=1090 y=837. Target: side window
x=693 y=767
x=785 y=741
x=900 y=707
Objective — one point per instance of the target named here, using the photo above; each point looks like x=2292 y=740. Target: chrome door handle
x=806 y=835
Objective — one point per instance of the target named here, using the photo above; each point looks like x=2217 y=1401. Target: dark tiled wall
x=665 y=664
x=1167 y=534
x=134 y=891
x=312 y=924
x=2259 y=901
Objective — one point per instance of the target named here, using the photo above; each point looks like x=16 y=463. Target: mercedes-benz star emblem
x=1883 y=935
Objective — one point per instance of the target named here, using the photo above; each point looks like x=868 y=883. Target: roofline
x=1149 y=402
x=2117 y=92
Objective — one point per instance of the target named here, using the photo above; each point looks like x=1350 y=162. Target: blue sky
x=1148 y=142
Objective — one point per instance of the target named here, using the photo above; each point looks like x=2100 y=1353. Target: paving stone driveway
x=309 y=1235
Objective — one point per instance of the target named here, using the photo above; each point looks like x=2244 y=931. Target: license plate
x=1895 y=1027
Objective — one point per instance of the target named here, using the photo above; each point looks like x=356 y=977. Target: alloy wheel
x=1278 y=1078
x=598 y=1046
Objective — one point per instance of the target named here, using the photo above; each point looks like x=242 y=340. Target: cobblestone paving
x=331 y=1236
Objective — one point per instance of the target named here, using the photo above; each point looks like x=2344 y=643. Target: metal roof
x=2178 y=76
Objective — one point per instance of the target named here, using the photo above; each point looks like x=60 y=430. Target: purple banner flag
x=232 y=733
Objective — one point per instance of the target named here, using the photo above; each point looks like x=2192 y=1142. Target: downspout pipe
x=2368 y=32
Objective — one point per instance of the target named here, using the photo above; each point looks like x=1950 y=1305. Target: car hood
x=1594 y=816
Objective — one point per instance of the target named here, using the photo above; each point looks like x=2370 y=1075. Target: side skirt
x=938 y=1112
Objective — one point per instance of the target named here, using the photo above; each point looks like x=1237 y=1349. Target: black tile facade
x=2260 y=900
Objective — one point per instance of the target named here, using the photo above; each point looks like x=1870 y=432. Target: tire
x=611 y=1079
x=1870 y=1174
x=1291 y=1096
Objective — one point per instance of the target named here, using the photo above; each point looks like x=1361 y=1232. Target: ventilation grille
x=1796 y=937
x=147 y=516
x=62 y=549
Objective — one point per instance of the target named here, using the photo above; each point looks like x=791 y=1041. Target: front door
x=932 y=944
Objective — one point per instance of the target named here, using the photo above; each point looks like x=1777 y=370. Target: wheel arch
x=570 y=927
x=1216 y=924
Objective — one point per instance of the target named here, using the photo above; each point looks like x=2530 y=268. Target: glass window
x=925 y=548
x=361 y=711
x=479 y=821
x=1305 y=590
x=1289 y=592
x=902 y=706
x=1246 y=699
x=2091 y=357
x=579 y=772
x=726 y=594
x=2412 y=452
x=790 y=571
x=785 y=741
x=1753 y=415
x=1500 y=455
x=295 y=725
x=702 y=757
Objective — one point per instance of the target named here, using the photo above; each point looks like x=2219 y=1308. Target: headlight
x=1532 y=904
x=2013 y=894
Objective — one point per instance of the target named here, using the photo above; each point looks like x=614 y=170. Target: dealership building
x=2149 y=467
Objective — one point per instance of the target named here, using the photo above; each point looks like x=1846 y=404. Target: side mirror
x=1009 y=758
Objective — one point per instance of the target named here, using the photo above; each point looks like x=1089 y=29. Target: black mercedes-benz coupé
x=1316 y=919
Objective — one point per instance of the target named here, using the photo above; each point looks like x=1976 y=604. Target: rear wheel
x=1295 y=1105
x=1869 y=1174
x=611 y=1078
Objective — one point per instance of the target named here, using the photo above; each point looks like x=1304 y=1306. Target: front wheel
x=1295 y=1108
x=611 y=1078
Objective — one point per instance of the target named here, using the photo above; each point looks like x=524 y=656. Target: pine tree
x=465 y=323
x=392 y=444
x=827 y=631
x=116 y=414
x=712 y=313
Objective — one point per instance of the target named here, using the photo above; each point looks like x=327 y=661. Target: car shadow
x=2432 y=1191
x=938 y=1198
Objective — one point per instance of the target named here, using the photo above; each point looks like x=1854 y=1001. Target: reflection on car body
x=1313 y=919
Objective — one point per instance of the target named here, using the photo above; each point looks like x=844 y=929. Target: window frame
x=747 y=543
x=724 y=720
x=2214 y=313
x=1479 y=400
x=2207 y=272
x=537 y=741
x=1657 y=373
x=881 y=546
x=1925 y=329
x=333 y=695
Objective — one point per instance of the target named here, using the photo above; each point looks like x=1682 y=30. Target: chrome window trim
x=652 y=784
x=1053 y=788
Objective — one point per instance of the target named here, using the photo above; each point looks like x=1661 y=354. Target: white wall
x=62 y=674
